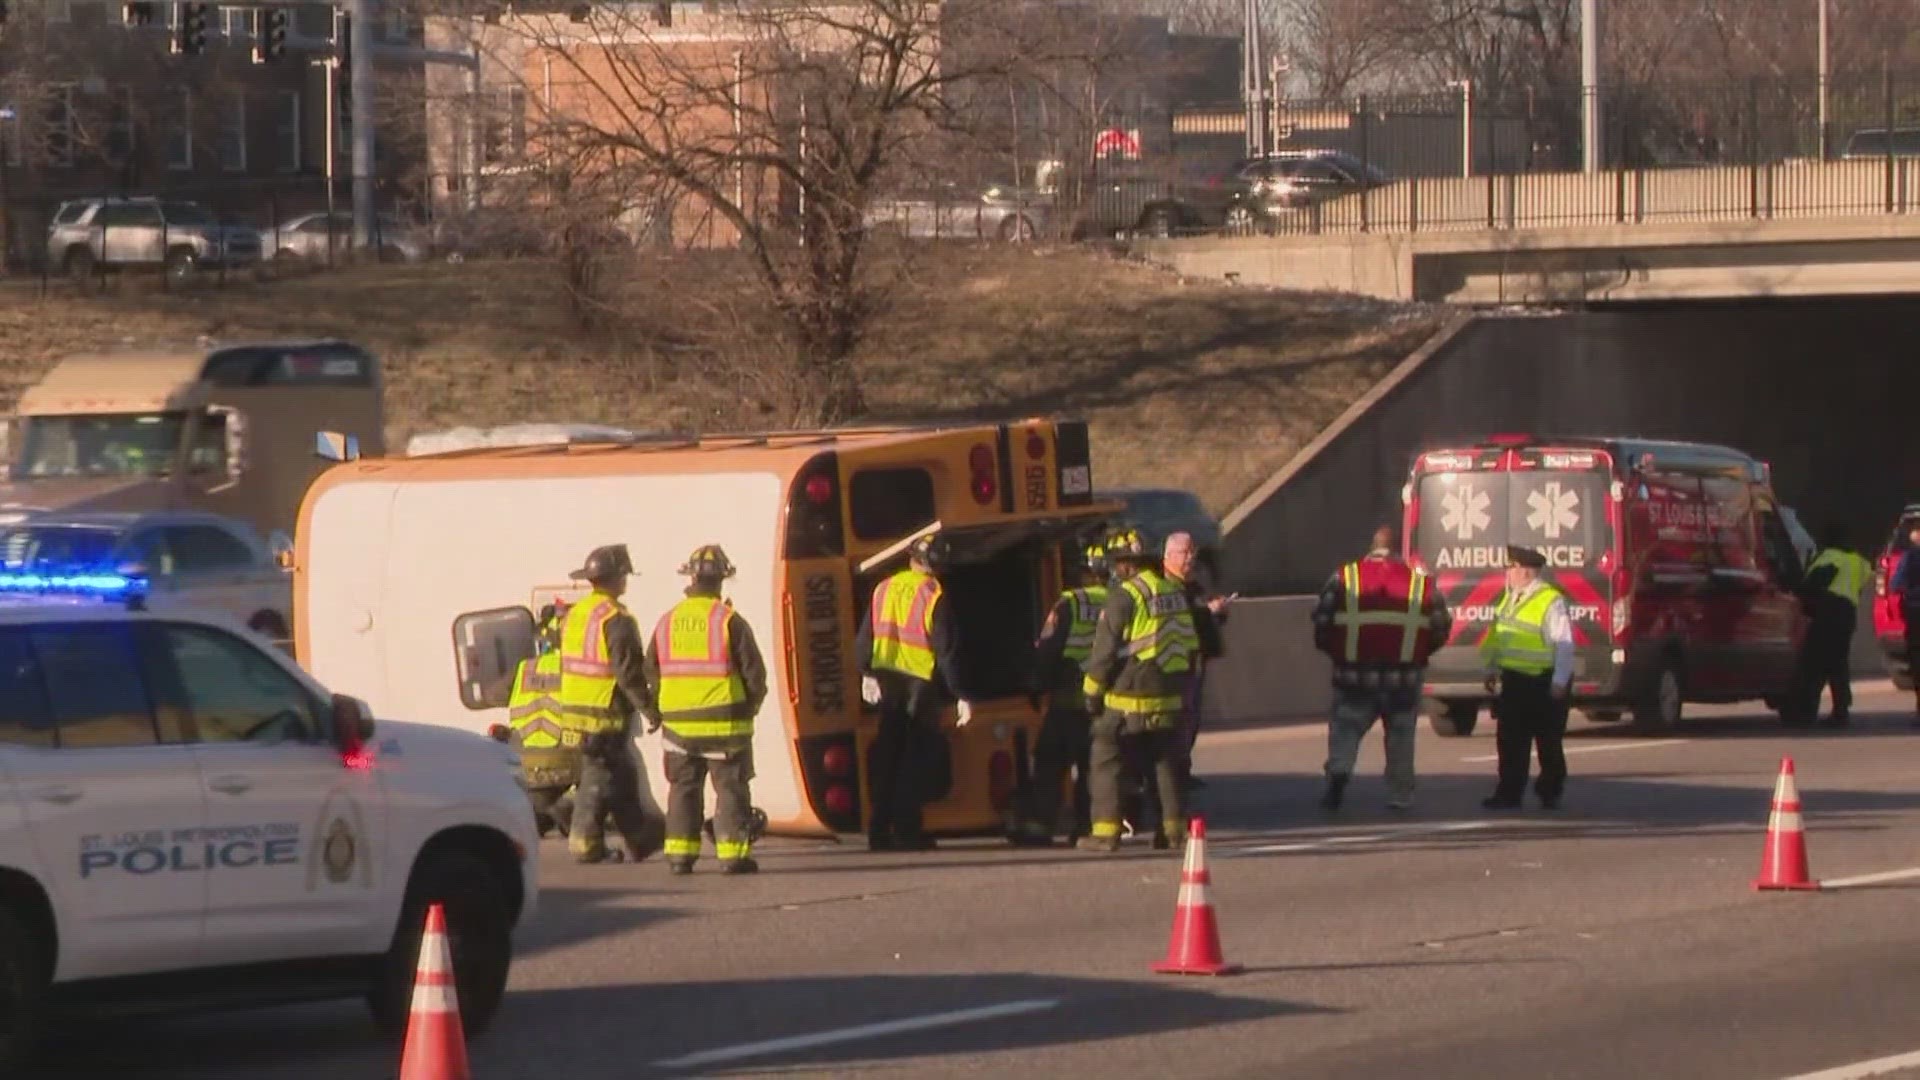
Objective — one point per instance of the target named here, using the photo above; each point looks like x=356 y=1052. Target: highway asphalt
x=1617 y=937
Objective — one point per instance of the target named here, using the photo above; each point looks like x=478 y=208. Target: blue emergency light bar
x=102 y=585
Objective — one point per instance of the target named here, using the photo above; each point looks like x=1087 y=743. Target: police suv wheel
x=23 y=980
x=479 y=932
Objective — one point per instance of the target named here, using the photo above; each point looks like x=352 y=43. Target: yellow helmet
x=708 y=561
x=1125 y=544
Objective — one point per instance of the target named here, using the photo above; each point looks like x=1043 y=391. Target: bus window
x=487 y=647
x=997 y=610
x=891 y=503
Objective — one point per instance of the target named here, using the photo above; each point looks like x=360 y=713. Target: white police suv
x=188 y=820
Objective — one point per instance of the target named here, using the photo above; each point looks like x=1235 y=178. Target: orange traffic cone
x=1783 y=862
x=436 y=1047
x=1194 y=948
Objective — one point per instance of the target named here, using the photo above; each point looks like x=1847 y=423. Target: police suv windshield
x=99 y=445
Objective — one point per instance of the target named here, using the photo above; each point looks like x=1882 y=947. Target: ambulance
x=416 y=579
x=1675 y=558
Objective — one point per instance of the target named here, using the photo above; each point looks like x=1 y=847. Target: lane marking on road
x=1876 y=1067
x=1872 y=879
x=1608 y=748
x=854 y=1034
x=1362 y=838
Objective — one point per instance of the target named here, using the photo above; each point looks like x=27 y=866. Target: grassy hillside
x=1190 y=384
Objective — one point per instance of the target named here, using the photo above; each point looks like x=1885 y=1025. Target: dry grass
x=1188 y=384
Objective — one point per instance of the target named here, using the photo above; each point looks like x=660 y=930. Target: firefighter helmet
x=708 y=561
x=935 y=551
x=605 y=564
x=1125 y=545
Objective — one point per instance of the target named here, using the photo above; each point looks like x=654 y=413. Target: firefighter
x=909 y=663
x=602 y=685
x=549 y=752
x=1529 y=655
x=1144 y=649
x=1378 y=619
x=1836 y=580
x=710 y=681
x=1065 y=642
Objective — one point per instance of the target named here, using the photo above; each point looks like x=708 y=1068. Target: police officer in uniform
x=1529 y=657
x=710 y=681
x=1144 y=649
x=909 y=663
x=549 y=752
x=602 y=685
x=1378 y=619
x=1066 y=640
x=1836 y=581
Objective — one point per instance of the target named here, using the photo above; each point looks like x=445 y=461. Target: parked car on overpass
x=950 y=211
x=308 y=238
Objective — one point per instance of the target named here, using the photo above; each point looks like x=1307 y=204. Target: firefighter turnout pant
x=688 y=766
x=1354 y=711
x=1064 y=743
x=899 y=762
x=1148 y=748
x=609 y=790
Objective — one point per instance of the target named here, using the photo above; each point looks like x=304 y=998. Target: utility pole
x=1826 y=80
x=360 y=87
x=1590 y=85
x=1251 y=80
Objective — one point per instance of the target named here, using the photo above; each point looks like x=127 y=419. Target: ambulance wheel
x=479 y=933
x=23 y=983
x=1661 y=702
x=1454 y=719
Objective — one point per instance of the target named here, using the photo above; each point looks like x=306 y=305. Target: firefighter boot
x=1336 y=791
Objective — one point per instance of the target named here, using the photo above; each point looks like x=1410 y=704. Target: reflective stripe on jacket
x=700 y=695
x=1085 y=603
x=533 y=711
x=1160 y=644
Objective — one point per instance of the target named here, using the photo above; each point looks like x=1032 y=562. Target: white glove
x=870 y=690
x=966 y=713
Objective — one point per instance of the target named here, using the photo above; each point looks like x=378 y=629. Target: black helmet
x=1125 y=545
x=605 y=564
x=708 y=561
x=934 y=550
x=547 y=626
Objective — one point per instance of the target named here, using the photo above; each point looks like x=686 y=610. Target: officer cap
x=1525 y=556
x=605 y=563
x=934 y=550
x=708 y=561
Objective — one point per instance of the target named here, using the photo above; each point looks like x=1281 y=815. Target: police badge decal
x=338 y=851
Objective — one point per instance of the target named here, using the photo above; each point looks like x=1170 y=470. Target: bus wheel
x=1455 y=719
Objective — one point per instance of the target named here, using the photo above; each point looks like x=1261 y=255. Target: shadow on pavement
x=642 y=1030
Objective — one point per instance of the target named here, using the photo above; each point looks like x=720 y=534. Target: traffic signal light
x=190 y=34
x=137 y=13
x=270 y=34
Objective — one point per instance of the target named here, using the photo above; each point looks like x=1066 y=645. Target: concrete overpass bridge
x=1791 y=228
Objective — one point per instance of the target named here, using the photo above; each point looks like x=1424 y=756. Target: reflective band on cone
x=436 y=1047
x=1783 y=861
x=1194 y=948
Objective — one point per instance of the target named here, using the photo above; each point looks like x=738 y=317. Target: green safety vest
x=586 y=668
x=701 y=696
x=1160 y=634
x=1518 y=641
x=533 y=711
x=1850 y=573
x=1085 y=603
x=902 y=624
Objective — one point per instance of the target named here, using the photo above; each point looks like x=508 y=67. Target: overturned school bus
x=417 y=579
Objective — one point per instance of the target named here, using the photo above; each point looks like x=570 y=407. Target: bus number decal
x=1036 y=487
x=826 y=675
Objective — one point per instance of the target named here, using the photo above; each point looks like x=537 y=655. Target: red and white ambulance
x=1674 y=559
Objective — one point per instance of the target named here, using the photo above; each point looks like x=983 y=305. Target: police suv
x=188 y=820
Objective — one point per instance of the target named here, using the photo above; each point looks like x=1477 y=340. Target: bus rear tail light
x=830 y=769
x=1000 y=782
x=814 y=529
x=1620 y=626
x=1036 y=445
x=981 y=472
